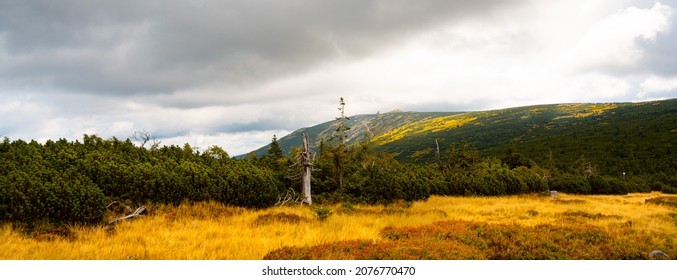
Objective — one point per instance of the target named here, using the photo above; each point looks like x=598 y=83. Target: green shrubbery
x=248 y=186
x=490 y=178
x=369 y=177
x=668 y=189
x=42 y=183
x=52 y=197
x=172 y=175
x=569 y=183
x=603 y=184
x=661 y=182
x=607 y=185
x=639 y=184
x=385 y=182
x=379 y=178
x=532 y=178
x=65 y=182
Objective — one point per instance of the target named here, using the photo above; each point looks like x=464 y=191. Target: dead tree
x=144 y=137
x=307 y=164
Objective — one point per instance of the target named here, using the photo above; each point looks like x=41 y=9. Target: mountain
x=361 y=127
x=635 y=137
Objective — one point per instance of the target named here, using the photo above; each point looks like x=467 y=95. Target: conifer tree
x=274 y=151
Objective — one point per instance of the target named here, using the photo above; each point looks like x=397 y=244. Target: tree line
x=360 y=174
x=73 y=181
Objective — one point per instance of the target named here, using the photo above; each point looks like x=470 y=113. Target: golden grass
x=585 y=110
x=432 y=124
x=214 y=231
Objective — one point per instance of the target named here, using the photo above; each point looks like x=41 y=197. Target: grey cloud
x=261 y=125
x=660 y=56
x=132 y=47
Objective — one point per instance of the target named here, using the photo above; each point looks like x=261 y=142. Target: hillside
x=618 y=137
x=361 y=126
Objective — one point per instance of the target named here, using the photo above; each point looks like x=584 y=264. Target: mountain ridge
x=634 y=132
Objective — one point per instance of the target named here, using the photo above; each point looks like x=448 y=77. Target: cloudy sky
x=233 y=73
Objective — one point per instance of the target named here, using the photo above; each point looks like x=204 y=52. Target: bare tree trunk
x=341 y=130
x=307 y=165
x=439 y=158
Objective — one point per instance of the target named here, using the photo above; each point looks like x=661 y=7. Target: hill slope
x=618 y=137
x=370 y=126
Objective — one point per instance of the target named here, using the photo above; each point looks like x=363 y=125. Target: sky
x=234 y=73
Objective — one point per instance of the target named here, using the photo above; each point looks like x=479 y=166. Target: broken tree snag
x=307 y=166
x=139 y=211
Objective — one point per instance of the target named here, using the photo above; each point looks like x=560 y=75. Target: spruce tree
x=274 y=151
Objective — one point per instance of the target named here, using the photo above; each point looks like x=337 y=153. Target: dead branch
x=139 y=211
x=112 y=203
x=290 y=195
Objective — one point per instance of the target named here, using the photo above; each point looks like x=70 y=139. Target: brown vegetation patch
x=451 y=240
x=569 y=201
x=394 y=210
x=664 y=200
x=583 y=214
x=193 y=211
x=48 y=232
x=532 y=212
x=270 y=218
x=436 y=212
x=397 y=208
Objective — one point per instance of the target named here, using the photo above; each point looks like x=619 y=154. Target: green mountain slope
x=362 y=127
x=617 y=137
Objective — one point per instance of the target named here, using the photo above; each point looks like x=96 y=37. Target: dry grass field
x=509 y=227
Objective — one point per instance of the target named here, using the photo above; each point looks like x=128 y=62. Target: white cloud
x=233 y=143
x=511 y=60
x=657 y=85
x=20 y=116
x=611 y=43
